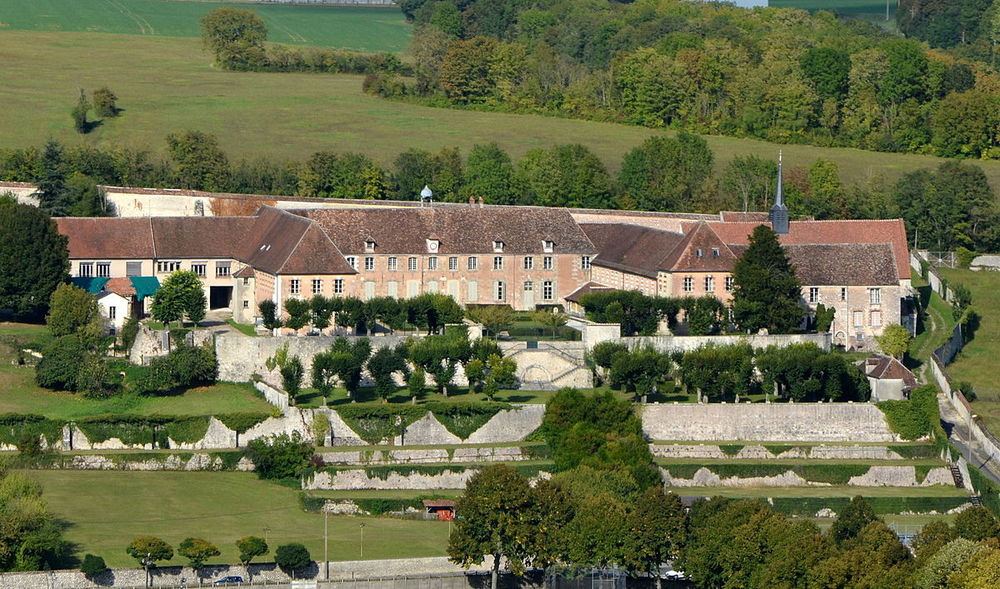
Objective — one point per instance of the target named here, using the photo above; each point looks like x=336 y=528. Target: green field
x=220 y=507
x=168 y=84
x=358 y=28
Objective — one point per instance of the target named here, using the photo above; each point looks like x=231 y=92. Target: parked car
x=229 y=580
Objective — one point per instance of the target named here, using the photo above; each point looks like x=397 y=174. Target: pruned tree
x=249 y=548
x=79 y=113
x=197 y=551
x=292 y=557
x=149 y=550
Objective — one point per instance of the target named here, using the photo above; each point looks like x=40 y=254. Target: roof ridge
x=152 y=236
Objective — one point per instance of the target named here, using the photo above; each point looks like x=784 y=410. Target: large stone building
x=520 y=256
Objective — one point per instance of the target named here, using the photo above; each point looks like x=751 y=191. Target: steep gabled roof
x=466 y=230
x=700 y=239
x=866 y=231
x=283 y=243
x=888 y=368
x=631 y=248
x=107 y=238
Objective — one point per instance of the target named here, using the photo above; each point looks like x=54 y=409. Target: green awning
x=89 y=283
x=145 y=286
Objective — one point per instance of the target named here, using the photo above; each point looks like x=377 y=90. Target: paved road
x=958 y=434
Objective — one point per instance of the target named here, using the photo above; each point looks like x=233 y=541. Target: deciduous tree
x=197 y=551
x=292 y=557
x=180 y=295
x=236 y=36
x=149 y=550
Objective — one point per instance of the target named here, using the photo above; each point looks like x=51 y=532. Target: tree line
x=784 y=75
x=970 y=27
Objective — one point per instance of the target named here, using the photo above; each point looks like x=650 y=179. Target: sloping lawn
x=106 y=510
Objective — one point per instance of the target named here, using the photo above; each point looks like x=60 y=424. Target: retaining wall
x=425 y=456
x=760 y=422
x=686 y=343
x=171 y=576
x=877 y=476
x=758 y=452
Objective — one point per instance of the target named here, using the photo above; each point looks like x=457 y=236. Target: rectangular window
x=875 y=296
x=432 y=263
x=843 y=293
x=585 y=262
x=859 y=319
x=317 y=285
x=432 y=287
x=392 y=263
x=498 y=246
x=501 y=291
x=393 y=289
x=473 y=289
x=338 y=286
x=293 y=286
x=369 y=263
x=411 y=264
x=709 y=284
x=473 y=263
x=729 y=284
x=353 y=261
x=133 y=268
x=715 y=252
x=813 y=294
x=498 y=262
x=199 y=268
x=112 y=312
x=876 y=318
x=547 y=290
x=246 y=304
x=548 y=246
x=167 y=266
x=688 y=284
x=104 y=269
x=698 y=252
x=222 y=269
x=528 y=286
x=547 y=263
x=529 y=263
x=453 y=263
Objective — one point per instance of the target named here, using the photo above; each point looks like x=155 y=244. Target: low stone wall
x=198 y=461
x=359 y=479
x=686 y=343
x=877 y=476
x=757 y=452
x=273 y=395
x=173 y=576
x=761 y=422
x=150 y=344
x=425 y=456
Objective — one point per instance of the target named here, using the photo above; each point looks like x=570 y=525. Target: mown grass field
x=358 y=28
x=168 y=84
x=977 y=362
x=220 y=507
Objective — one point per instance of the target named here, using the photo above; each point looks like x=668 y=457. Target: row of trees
x=779 y=74
x=799 y=372
x=429 y=311
x=149 y=550
x=347 y=361
x=717 y=543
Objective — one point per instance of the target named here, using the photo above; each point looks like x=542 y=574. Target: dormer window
x=433 y=245
x=699 y=253
x=369 y=246
x=548 y=246
x=715 y=252
x=497 y=246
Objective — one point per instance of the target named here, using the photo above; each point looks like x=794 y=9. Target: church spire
x=779 y=212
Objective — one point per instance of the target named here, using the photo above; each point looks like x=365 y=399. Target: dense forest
x=784 y=75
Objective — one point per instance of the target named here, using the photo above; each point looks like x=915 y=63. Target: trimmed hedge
x=374 y=424
x=914 y=451
x=14 y=427
x=462 y=419
x=243 y=421
x=988 y=490
x=808 y=506
x=731 y=449
x=230 y=459
x=383 y=472
x=130 y=429
x=835 y=474
x=187 y=429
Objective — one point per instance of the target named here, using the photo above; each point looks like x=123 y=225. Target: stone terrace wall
x=425 y=456
x=877 y=476
x=675 y=343
x=759 y=422
x=758 y=452
x=359 y=479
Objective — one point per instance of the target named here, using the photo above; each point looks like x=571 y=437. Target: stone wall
x=759 y=422
x=273 y=395
x=550 y=365
x=758 y=452
x=171 y=576
x=877 y=476
x=425 y=456
x=359 y=479
x=198 y=461
x=151 y=344
x=674 y=343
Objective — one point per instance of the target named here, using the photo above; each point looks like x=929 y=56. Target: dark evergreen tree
x=766 y=291
x=34 y=259
x=52 y=196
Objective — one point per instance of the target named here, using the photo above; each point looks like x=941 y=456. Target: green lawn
x=168 y=84
x=934 y=330
x=358 y=28
x=220 y=507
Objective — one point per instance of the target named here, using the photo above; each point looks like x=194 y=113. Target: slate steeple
x=779 y=212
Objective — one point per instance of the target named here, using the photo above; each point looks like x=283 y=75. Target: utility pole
x=362 y=526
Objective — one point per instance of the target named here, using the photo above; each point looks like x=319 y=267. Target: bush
x=280 y=456
x=292 y=557
x=92 y=566
x=60 y=365
x=915 y=418
x=184 y=367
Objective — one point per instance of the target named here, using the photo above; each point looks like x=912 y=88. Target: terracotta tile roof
x=889 y=368
x=587 y=288
x=120 y=286
x=199 y=237
x=439 y=503
x=631 y=248
x=465 y=229
x=701 y=251
x=244 y=272
x=284 y=243
x=108 y=238
x=866 y=231
x=845 y=264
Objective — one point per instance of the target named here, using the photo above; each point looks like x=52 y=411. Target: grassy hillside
x=220 y=507
x=166 y=84
x=363 y=29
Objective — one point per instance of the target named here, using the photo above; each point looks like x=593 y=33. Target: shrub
x=92 y=566
x=292 y=557
x=129 y=332
x=60 y=364
x=916 y=417
x=280 y=456
x=269 y=314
